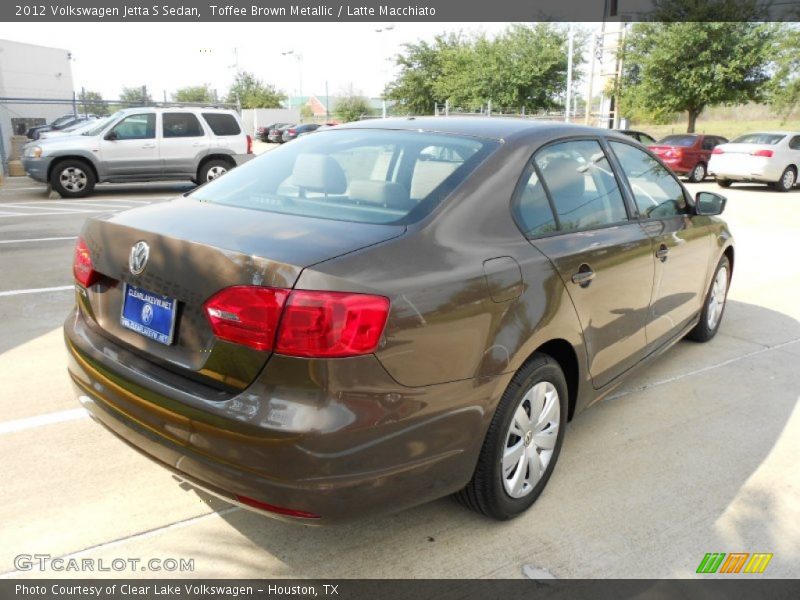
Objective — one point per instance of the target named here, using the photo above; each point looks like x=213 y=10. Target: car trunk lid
x=195 y=250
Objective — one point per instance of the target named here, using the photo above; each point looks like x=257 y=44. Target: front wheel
x=714 y=305
x=522 y=445
x=724 y=183
x=72 y=179
x=211 y=170
x=698 y=174
x=787 y=180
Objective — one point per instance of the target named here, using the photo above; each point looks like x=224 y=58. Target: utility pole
x=570 y=49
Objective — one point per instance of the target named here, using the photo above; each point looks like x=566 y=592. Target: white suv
x=141 y=144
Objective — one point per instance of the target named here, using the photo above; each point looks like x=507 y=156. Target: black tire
x=724 y=183
x=698 y=173
x=787 y=181
x=703 y=331
x=72 y=178
x=485 y=493
x=212 y=169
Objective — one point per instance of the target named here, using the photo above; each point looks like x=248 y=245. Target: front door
x=682 y=247
x=129 y=149
x=604 y=259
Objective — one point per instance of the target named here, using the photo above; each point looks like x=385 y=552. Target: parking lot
x=696 y=454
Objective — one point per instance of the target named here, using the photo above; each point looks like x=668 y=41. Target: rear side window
x=656 y=191
x=794 y=143
x=580 y=185
x=357 y=175
x=222 y=123
x=177 y=125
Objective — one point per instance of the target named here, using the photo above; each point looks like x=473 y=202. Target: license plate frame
x=163 y=310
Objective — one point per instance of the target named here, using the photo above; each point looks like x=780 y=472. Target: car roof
x=770 y=133
x=497 y=128
x=176 y=108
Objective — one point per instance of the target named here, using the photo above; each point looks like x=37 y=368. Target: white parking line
x=23 y=206
x=47 y=214
x=60 y=288
x=61 y=416
x=27 y=240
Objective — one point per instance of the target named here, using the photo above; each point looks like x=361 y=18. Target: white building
x=30 y=74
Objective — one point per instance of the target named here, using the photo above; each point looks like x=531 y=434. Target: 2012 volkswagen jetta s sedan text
x=390 y=312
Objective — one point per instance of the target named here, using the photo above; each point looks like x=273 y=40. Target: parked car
x=76 y=128
x=687 y=153
x=276 y=133
x=340 y=328
x=322 y=127
x=62 y=119
x=639 y=136
x=262 y=133
x=771 y=157
x=58 y=125
x=141 y=144
x=291 y=133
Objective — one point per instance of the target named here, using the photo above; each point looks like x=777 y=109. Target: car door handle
x=584 y=276
x=662 y=252
x=148 y=146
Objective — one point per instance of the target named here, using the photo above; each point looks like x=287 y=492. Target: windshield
x=102 y=123
x=677 y=140
x=358 y=175
x=759 y=138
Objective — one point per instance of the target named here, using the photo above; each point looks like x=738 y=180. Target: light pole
x=569 y=73
x=385 y=76
x=299 y=58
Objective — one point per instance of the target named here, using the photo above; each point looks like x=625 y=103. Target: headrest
x=564 y=179
x=318 y=173
x=384 y=193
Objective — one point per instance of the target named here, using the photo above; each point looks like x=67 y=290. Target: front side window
x=177 y=125
x=655 y=189
x=136 y=127
x=581 y=185
x=358 y=175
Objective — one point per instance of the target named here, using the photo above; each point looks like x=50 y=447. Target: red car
x=687 y=153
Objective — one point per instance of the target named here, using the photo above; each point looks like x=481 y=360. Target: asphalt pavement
x=695 y=454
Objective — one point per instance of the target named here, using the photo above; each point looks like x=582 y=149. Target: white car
x=76 y=129
x=771 y=157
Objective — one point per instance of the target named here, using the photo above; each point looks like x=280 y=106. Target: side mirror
x=111 y=135
x=709 y=203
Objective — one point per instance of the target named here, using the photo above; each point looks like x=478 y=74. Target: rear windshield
x=677 y=140
x=358 y=175
x=759 y=138
x=222 y=124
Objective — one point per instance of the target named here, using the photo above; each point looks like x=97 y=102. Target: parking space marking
x=48 y=214
x=62 y=416
x=28 y=240
x=22 y=206
x=60 y=288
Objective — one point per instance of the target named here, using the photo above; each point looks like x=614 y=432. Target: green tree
x=785 y=87
x=199 y=94
x=524 y=66
x=135 y=96
x=251 y=92
x=351 y=106
x=306 y=112
x=92 y=103
x=686 y=67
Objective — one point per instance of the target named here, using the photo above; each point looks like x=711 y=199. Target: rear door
x=132 y=150
x=183 y=140
x=572 y=210
x=681 y=245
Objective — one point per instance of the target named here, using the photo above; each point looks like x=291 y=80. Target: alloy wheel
x=73 y=179
x=716 y=300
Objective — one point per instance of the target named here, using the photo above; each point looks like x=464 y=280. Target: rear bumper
x=677 y=165
x=345 y=443
x=751 y=170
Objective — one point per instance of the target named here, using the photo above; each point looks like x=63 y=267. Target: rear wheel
x=523 y=442
x=724 y=183
x=698 y=174
x=714 y=305
x=213 y=169
x=787 y=180
x=72 y=178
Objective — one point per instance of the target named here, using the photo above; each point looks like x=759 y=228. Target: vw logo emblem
x=147 y=314
x=137 y=261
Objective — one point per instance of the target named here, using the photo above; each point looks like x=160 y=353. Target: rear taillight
x=292 y=131
x=249 y=145
x=299 y=323
x=246 y=315
x=82 y=267
x=718 y=150
x=764 y=153
x=331 y=324
x=278 y=510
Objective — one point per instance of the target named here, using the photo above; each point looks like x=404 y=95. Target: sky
x=168 y=56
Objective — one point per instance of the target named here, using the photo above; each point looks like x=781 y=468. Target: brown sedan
x=391 y=311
